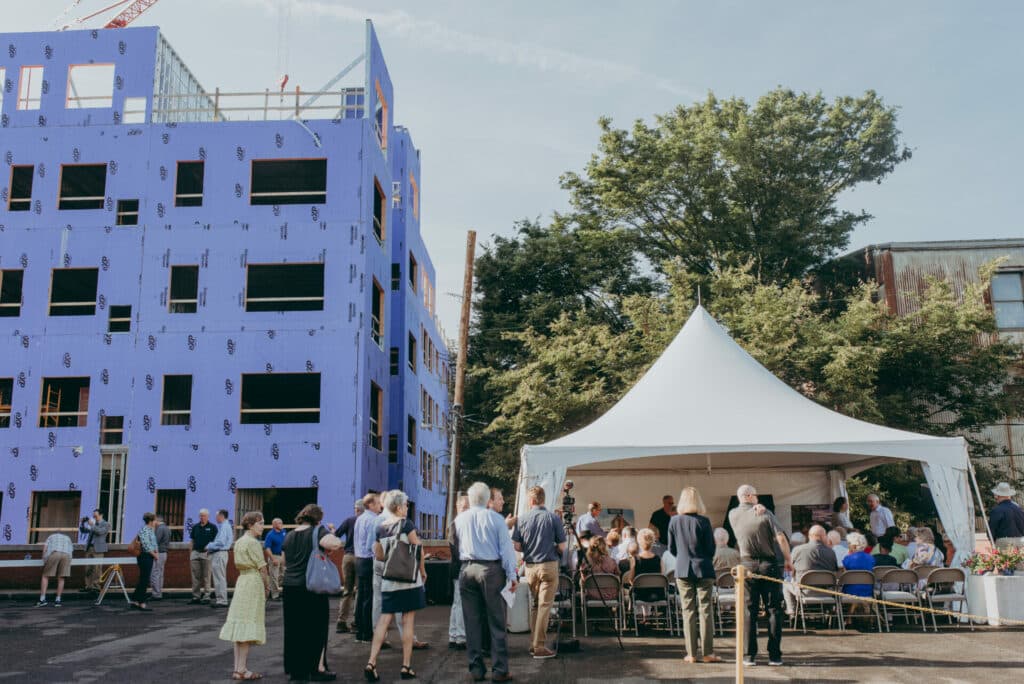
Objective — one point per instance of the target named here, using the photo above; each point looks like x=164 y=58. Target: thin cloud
x=440 y=38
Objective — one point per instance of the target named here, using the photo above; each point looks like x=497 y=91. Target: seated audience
x=897 y=549
x=872 y=542
x=645 y=562
x=726 y=557
x=857 y=559
x=925 y=552
x=627 y=560
x=814 y=555
x=835 y=542
x=796 y=539
x=659 y=546
x=601 y=564
x=615 y=548
x=883 y=554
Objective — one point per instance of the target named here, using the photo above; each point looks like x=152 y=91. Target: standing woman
x=841 y=513
x=692 y=542
x=245 y=624
x=397 y=597
x=306 y=615
x=147 y=538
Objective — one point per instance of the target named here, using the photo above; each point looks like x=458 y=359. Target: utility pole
x=460 y=378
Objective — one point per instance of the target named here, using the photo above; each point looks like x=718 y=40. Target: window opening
x=284 y=287
x=377 y=317
x=415 y=196
x=274 y=502
x=20 y=198
x=73 y=291
x=188 y=188
x=176 y=408
x=184 y=289
x=410 y=426
x=111 y=492
x=280 y=398
x=64 y=402
x=111 y=430
x=82 y=186
x=376 y=415
x=120 y=318
x=392 y=448
x=170 y=503
x=6 y=397
x=288 y=181
x=379 y=217
x=30 y=87
x=134 y=110
x=10 y=292
x=396 y=277
x=380 y=117
x=128 y=212
x=396 y=356
x=90 y=86
x=413 y=272
x=54 y=512
x=412 y=352
x=1008 y=299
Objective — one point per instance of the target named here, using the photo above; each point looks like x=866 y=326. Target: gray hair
x=856 y=541
x=204 y=511
x=833 y=537
x=745 y=490
x=479 y=494
x=359 y=506
x=276 y=520
x=721 y=535
x=394 y=500
x=797 y=538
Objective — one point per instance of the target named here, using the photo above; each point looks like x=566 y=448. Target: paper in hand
x=508 y=595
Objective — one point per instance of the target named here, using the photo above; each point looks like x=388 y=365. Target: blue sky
x=503 y=97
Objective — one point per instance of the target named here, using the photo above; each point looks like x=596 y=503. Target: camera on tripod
x=568 y=503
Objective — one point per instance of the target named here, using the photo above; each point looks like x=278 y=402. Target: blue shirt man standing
x=364 y=535
x=218 y=552
x=540 y=537
x=272 y=547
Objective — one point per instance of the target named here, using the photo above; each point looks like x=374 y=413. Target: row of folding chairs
x=621 y=602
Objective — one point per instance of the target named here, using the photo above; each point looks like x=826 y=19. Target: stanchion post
x=741 y=612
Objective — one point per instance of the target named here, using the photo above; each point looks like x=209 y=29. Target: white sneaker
x=775 y=663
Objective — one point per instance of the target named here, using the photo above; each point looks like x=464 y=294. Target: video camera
x=568 y=503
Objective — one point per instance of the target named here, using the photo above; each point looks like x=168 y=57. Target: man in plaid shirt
x=56 y=563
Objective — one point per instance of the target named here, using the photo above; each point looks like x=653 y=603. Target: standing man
x=347 y=530
x=274 y=552
x=1006 y=519
x=156 y=578
x=540 y=537
x=881 y=517
x=56 y=563
x=365 y=535
x=588 y=521
x=661 y=517
x=218 y=550
x=488 y=566
x=497 y=504
x=764 y=549
x=96 y=530
x=456 y=623
x=201 y=534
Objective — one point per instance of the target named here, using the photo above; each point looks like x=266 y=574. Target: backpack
x=322 y=575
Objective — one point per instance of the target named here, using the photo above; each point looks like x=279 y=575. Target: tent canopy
x=708 y=414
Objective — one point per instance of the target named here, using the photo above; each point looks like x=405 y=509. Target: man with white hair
x=815 y=554
x=488 y=566
x=201 y=534
x=726 y=557
x=764 y=549
x=1006 y=519
x=835 y=541
x=881 y=517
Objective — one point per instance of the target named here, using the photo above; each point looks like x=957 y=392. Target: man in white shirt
x=56 y=563
x=836 y=542
x=881 y=517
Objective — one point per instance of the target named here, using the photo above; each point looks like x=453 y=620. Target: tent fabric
x=707 y=406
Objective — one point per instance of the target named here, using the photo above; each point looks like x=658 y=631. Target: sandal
x=689 y=660
x=420 y=645
x=251 y=676
x=407 y=672
x=712 y=659
x=371 y=672
x=238 y=676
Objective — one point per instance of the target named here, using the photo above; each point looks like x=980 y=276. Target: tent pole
x=981 y=503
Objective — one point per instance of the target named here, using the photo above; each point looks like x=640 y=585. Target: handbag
x=322 y=575
x=135 y=547
x=401 y=558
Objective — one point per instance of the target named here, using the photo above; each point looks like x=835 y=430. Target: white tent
x=707 y=414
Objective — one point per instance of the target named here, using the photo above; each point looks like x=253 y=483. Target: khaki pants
x=696 y=595
x=1004 y=543
x=219 y=568
x=201 y=582
x=275 y=571
x=348 y=594
x=156 y=579
x=93 y=572
x=542 y=578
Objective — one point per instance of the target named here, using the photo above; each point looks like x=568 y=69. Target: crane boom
x=130 y=13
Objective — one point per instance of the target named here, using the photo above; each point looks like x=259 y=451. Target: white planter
x=996 y=596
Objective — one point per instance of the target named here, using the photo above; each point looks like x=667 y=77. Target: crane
x=125 y=17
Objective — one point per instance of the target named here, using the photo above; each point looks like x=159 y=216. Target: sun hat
x=1004 y=489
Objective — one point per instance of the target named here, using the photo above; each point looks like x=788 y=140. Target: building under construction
x=208 y=299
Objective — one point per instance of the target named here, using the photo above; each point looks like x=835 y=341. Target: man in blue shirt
x=588 y=521
x=218 y=552
x=364 y=535
x=347 y=531
x=275 y=557
x=1006 y=519
x=488 y=566
x=540 y=537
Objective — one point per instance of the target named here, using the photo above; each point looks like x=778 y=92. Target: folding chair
x=565 y=599
x=825 y=579
x=597 y=583
x=899 y=586
x=851 y=577
x=922 y=573
x=940 y=587
x=650 y=581
x=725 y=595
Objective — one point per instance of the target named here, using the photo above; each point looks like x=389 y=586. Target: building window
x=288 y=181
x=410 y=439
x=380 y=117
x=90 y=86
x=396 y=356
x=414 y=272
x=392 y=448
x=176 y=408
x=412 y=352
x=396 y=276
x=120 y=318
x=54 y=512
x=134 y=110
x=1008 y=299
x=128 y=212
x=376 y=416
x=280 y=398
x=30 y=87
x=6 y=396
x=10 y=292
x=284 y=287
x=415 y=196
x=188 y=188
x=379 y=215
x=73 y=291
x=184 y=289
x=82 y=186
x=377 y=315
x=170 y=503
x=64 y=402
x=112 y=487
x=20 y=198
x=111 y=430
x=274 y=502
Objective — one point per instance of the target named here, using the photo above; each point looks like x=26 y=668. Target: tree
x=720 y=183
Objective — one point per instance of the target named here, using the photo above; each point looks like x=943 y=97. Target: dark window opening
x=177 y=402
x=396 y=355
x=120 y=318
x=10 y=292
x=73 y=291
x=289 y=181
x=396 y=276
x=170 y=503
x=6 y=397
x=379 y=207
x=128 y=212
x=274 y=502
x=188 y=188
x=410 y=427
x=392 y=448
x=111 y=430
x=413 y=272
x=54 y=512
x=21 y=188
x=281 y=398
x=377 y=315
x=64 y=402
x=82 y=186
x=376 y=416
x=284 y=287
x=412 y=352
x=184 y=289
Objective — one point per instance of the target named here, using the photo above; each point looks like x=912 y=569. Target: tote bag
x=401 y=558
x=135 y=547
x=322 y=575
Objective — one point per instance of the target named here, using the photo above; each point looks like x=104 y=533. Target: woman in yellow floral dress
x=246 y=623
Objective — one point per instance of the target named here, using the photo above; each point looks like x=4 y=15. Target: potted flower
x=995 y=561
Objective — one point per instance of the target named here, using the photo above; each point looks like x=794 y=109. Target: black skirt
x=306 y=621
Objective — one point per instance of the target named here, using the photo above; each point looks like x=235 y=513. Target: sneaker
x=453 y=645
x=749 y=662
x=543 y=653
x=194 y=602
x=775 y=663
x=341 y=628
x=42 y=602
x=58 y=603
